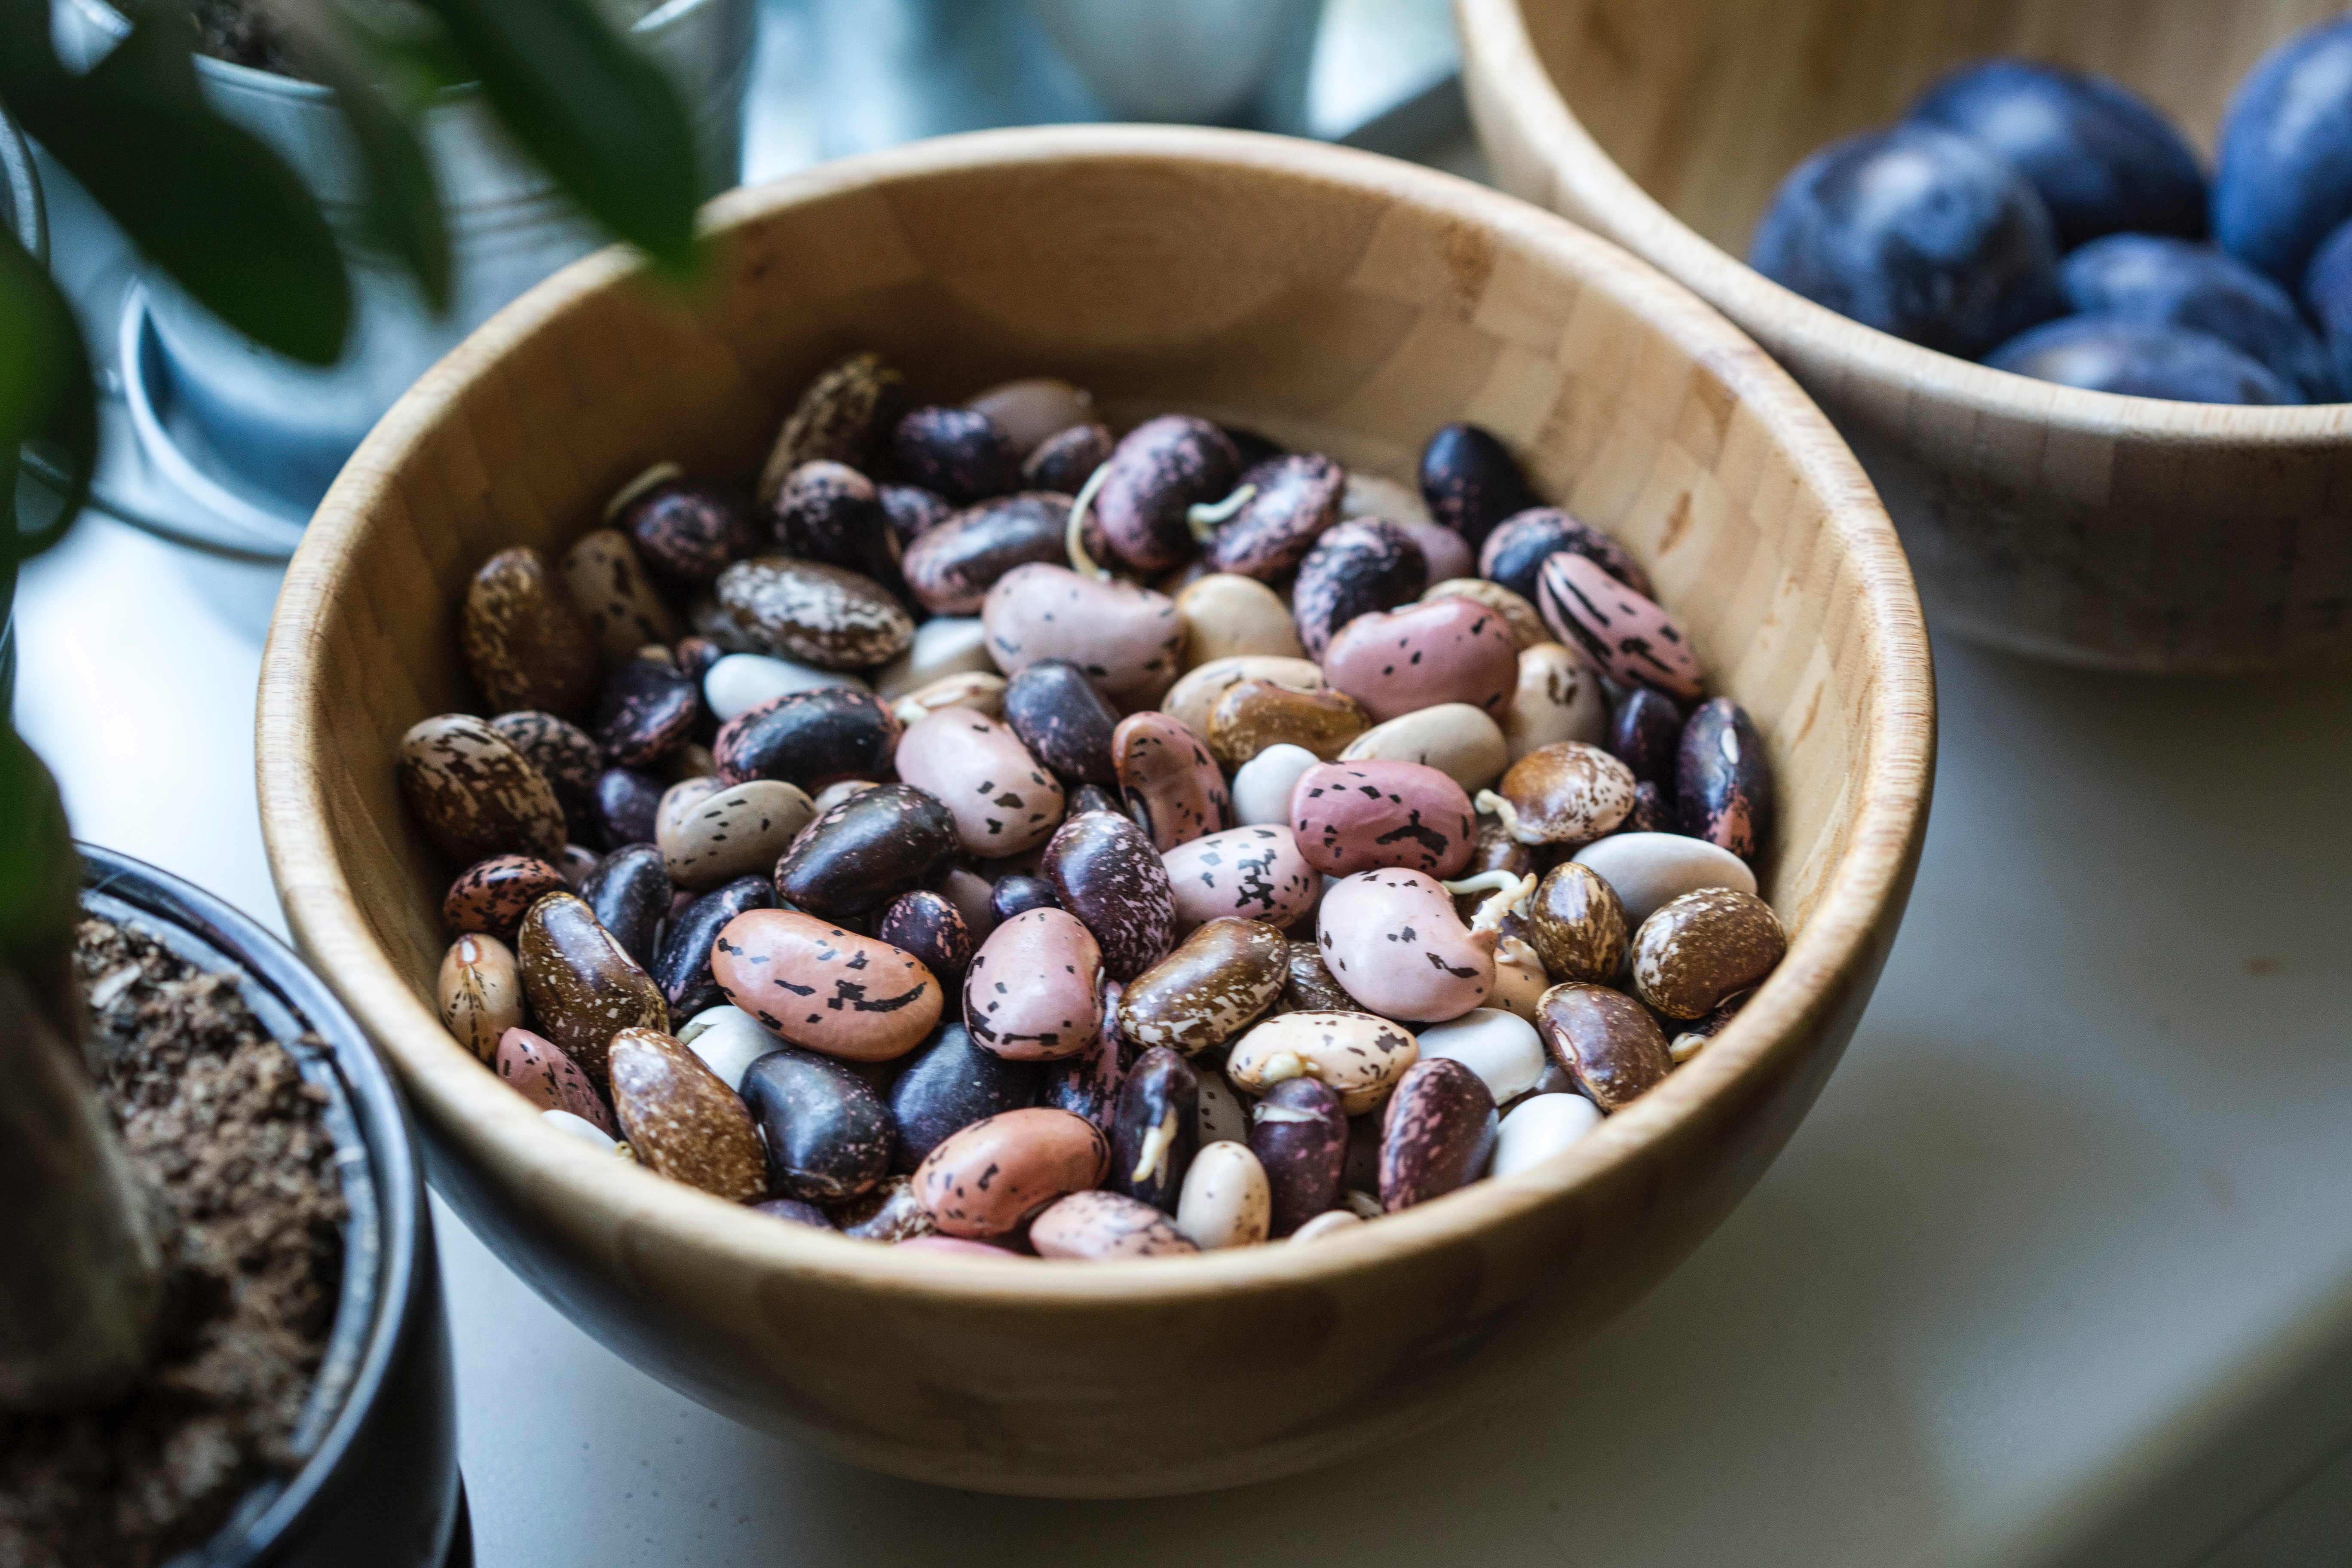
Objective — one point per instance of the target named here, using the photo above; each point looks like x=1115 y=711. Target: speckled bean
x=1016 y=894
x=583 y=985
x=1563 y=794
x=1127 y=639
x=480 y=992
x=1170 y=783
x=610 y=589
x=1607 y=1041
x=1309 y=987
x=1360 y=816
x=961 y=453
x=1156 y=1128
x=817 y=985
x=1514 y=552
x=1633 y=641
x=1214 y=986
x=1034 y=991
x=1003 y=800
x=688 y=532
x=828 y=1134
x=1256 y=715
x=1393 y=940
x=680 y=1121
x=535 y=1068
x=524 y=639
x=1064 y=720
x=810 y=739
x=1158 y=470
x=1401 y=661
x=951 y=567
x=1103 y=1227
x=1358 y=1056
x=1558 y=698
x=490 y=895
x=830 y=512
x=1520 y=616
x=930 y=926
x=1300 y=1136
x=991 y=1176
x=1575 y=924
x=1700 y=948
x=474 y=795
x=1355 y=569
x=732 y=831
x=1107 y=874
x=1088 y=1084
x=566 y=757
x=1724 y=780
x=844 y=415
x=1194 y=697
x=1253 y=873
x=1295 y=498
x=806 y=610
x=1436 y=1133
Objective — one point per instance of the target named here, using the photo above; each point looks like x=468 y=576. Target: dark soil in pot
x=233 y=1145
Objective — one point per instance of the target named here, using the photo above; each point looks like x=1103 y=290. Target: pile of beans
x=1020 y=839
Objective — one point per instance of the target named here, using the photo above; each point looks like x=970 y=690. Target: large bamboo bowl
x=2121 y=533
x=1334 y=301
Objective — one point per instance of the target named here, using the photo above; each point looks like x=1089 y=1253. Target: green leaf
x=206 y=201
x=40 y=876
x=48 y=400
x=595 y=112
x=401 y=213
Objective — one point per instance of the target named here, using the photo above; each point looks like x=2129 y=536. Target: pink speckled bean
x=988 y=1178
x=1253 y=873
x=1397 y=662
x=1034 y=993
x=1358 y=817
x=1171 y=783
x=1633 y=641
x=1003 y=800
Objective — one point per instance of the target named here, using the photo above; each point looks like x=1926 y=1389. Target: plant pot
x=285 y=427
x=378 y=1486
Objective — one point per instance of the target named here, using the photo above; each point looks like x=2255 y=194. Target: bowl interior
x=1334 y=300
x=1707 y=104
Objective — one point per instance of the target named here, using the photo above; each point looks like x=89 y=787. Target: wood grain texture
x=2123 y=533
x=1337 y=301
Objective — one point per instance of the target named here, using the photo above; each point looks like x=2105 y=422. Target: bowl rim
x=1499 y=53
x=461 y=1100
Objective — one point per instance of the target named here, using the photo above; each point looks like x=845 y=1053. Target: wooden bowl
x=2125 y=533
x=1334 y=301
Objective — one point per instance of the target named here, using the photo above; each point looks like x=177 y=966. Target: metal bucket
x=287 y=427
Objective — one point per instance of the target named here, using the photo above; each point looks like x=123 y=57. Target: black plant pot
x=378 y=1487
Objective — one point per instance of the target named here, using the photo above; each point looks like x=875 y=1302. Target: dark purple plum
x=2139 y=359
x=2283 y=178
x=1919 y=233
x=2103 y=159
x=2173 y=283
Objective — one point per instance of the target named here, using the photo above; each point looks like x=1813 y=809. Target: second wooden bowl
x=1337 y=301
x=2123 y=533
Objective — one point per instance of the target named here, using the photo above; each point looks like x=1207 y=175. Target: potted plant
x=156 y=1043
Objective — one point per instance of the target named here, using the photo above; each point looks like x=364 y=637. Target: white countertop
x=2059 y=1270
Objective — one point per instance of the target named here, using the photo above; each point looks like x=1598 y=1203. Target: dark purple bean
x=830 y=512
x=682 y=968
x=565 y=757
x=913 y=511
x=1156 y=1131
x=1724 y=784
x=1064 y=460
x=809 y=738
x=1471 y=482
x=1092 y=797
x=1652 y=812
x=1300 y=1135
x=695 y=654
x=793 y=1212
x=690 y=532
x=629 y=892
x=828 y=1134
x=951 y=567
x=1014 y=894
x=1298 y=500
x=950 y=1084
x=1160 y=470
x=1088 y=1084
x=627 y=801
x=649 y=708
x=1064 y=720
x=927 y=925
x=1434 y=1133
x=1364 y=564
x=865 y=851
x=1514 y=553
x=1645 y=733
x=1106 y=873
x=963 y=454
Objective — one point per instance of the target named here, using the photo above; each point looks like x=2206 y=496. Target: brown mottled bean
x=524 y=639
x=490 y=895
x=1606 y=1041
x=476 y=795
x=584 y=986
x=1577 y=925
x=681 y=1120
x=1310 y=987
x=1569 y=793
x=609 y=587
x=826 y=615
x=565 y=757
x=996 y=1173
x=1700 y=948
x=844 y=416
x=1194 y=697
x=1214 y=986
x=1257 y=714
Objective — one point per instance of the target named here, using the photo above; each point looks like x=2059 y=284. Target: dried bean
x=806 y=610
x=991 y=1176
x=943 y=646
x=1015 y=894
x=1519 y=615
x=830 y=512
x=819 y=986
x=1607 y=1041
x=1106 y=873
x=1309 y=987
x=490 y=895
x=1442 y=651
x=951 y=566
x=1064 y=460
x=1064 y=720
x=682 y=968
x=1258 y=714
x=1471 y=482
x=1724 y=783
x=682 y=1122
x=1577 y=925
x=809 y=738
x=1514 y=552
x=1295 y=498
x=738 y=682
x=609 y=588
x=1359 y=1056
x=584 y=986
x=1254 y=873
x=1463 y=742
x=1355 y=569
x=1632 y=641
x=1157 y=472
x=629 y=893
x=1264 y=784
x=1393 y=940
x=534 y=1067
x=1101 y=1226
x=628 y=805
x=1645 y=733
x=1033 y=408
x=1540 y=1127
x=930 y=926
x=1214 y=986
x=734 y=831
x=828 y=1135
x=480 y=992
x=1225 y=1201
x=1034 y=991
x=845 y=414
x=1088 y=1084
x=1360 y=816
x=1558 y=698
x=950 y=1085
x=1435 y=1134
x=1563 y=794
x=1503 y=1048
x=649 y=708
x=474 y=795
x=1702 y=947
x=961 y=453
x=1003 y=799
x=1127 y=639
x=565 y=757
x=1300 y=1136
x=689 y=532
x=1230 y=617
x=524 y=639
x=1156 y=1131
